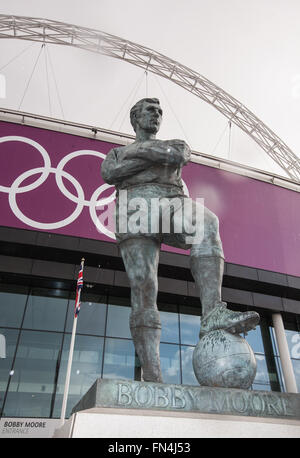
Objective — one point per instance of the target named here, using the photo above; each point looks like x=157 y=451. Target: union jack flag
x=78 y=290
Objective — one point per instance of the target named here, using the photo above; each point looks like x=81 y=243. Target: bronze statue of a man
x=151 y=169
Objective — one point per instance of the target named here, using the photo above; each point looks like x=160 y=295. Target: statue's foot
x=223 y=318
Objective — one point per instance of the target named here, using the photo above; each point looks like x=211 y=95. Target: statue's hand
x=180 y=150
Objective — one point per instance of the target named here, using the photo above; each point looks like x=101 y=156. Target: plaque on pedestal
x=128 y=394
x=114 y=408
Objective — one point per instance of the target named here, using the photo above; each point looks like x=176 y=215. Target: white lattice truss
x=47 y=31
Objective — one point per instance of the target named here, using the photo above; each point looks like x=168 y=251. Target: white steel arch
x=48 y=31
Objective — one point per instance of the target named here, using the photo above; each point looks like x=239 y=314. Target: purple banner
x=50 y=181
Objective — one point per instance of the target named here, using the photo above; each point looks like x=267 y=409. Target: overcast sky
x=250 y=48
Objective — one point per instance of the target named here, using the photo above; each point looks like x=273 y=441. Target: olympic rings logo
x=95 y=201
x=59 y=172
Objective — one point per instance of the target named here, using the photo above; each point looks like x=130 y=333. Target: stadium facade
x=54 y=210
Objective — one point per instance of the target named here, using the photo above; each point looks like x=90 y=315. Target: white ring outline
x=59 y=180
x=46 y=168
x=92 y=207
x=45 y=226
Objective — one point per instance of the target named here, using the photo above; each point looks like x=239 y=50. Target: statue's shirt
x=153 y=161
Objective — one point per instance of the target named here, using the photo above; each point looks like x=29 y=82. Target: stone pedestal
x=129 y=409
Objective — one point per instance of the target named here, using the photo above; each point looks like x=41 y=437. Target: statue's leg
x=141 y=256
x=207 y=263
x=207 y=267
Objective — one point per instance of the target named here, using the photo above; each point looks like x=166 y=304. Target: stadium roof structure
x=60 y=33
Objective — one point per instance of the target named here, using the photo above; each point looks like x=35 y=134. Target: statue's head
x=146 y=113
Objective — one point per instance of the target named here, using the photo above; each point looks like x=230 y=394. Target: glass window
x=279 y=374
x=292 y=337
x=119 y=359
x=169 y=326
x=254 y=339
x=86 y=369
x=188 y=375
x=92 y=315
x=10 y=336
x=170 y=363
x=262 y=374
x=261 y=387
x=261 y=341
x=12 y=303
x=118 y=321
x=296 y=367
x=46 y=310
x=293 y=340
x=189 y=329
x=32 y=383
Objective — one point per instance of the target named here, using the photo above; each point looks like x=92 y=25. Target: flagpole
x=71 y=351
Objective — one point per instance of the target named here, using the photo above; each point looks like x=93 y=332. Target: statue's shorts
x=164 y=214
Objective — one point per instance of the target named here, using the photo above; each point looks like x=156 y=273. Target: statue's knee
x=211 y=244
x=142 y=278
